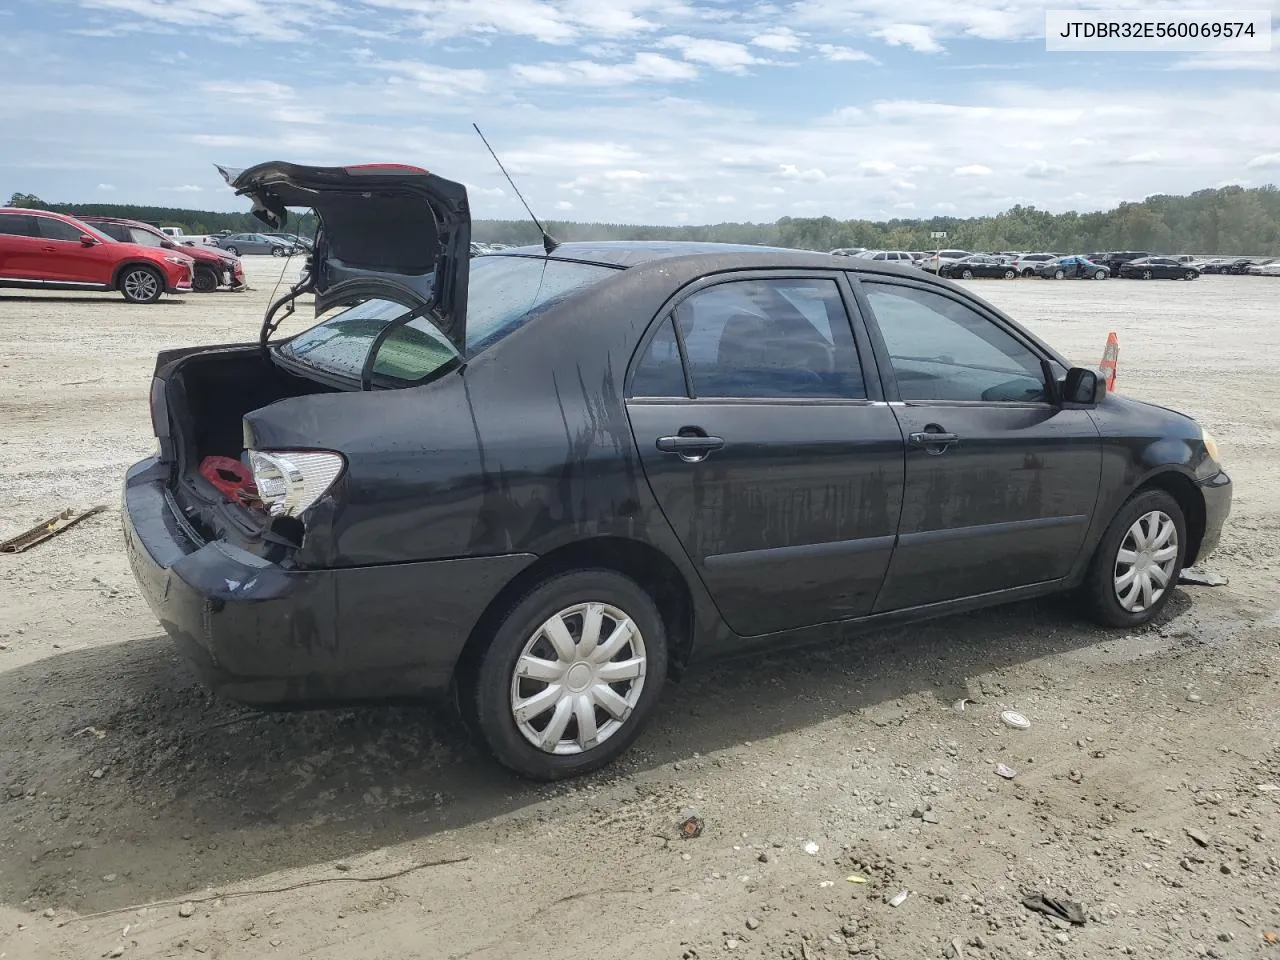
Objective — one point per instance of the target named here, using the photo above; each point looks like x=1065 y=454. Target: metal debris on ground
x=1054 y=907
x=899 y=898
x=49 y=528
x=1189 y=578
x=958 y=706
x=1007 y=772
x=856 y=879
x=1015 y=720
x=691 y=828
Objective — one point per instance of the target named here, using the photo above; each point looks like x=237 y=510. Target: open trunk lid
x=385 y=230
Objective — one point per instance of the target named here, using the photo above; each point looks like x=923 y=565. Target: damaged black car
x=542 y=480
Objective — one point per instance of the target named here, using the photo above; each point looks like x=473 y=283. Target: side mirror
x=1083 y=388
x=87 y=241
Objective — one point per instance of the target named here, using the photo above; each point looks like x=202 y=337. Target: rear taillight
x=290 y=481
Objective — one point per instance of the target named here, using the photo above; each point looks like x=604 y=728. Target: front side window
x=941 y=349
x=777 y=338
x=504 y=293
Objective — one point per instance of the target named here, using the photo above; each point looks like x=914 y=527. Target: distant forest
x=1229 y=220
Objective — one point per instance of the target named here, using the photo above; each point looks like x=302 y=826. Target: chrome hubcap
x=1145 y=561
x=140 y=284
x=578 y=678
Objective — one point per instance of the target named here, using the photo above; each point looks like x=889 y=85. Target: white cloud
x=1264 y=160
x=437 y=80
x=1149 y=156
x=1042 y=170
x=844 y=54
x=789 y=171
x=781 y=39
x=184 y=188
x=564 y=205
x=913 y=35
x=879 y=167
x=106 y=187
x=945 y=207
x=972 y=170
x=718 y=54
x=644 y=66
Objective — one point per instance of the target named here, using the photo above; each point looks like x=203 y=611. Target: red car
x=43 y=250
x=214 y=267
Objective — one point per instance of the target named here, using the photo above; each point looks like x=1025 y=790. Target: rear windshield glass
x=504 y=294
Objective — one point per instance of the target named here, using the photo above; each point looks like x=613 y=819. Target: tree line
x=1225 y=221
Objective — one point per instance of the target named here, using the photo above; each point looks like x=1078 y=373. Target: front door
x=757 y=412
x=67 y=260
x=1000 y=483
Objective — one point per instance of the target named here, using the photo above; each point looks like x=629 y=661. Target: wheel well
x=1191 y=500
x=115 y=280
x=646 y=565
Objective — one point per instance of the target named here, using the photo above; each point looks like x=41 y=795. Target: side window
x=17 y=225
x=942 y=350
x=660 y=372
x=144 y=237
x=770 y=338
x=51 y=229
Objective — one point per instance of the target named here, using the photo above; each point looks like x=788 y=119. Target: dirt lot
x=382 y=833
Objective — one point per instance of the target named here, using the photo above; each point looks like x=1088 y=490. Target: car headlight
x=180 y=261
x=1210 y=445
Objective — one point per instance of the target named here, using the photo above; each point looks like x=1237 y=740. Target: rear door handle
x=934 y=442
x=689 y=445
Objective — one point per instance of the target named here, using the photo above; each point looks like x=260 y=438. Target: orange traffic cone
x=1110 y=356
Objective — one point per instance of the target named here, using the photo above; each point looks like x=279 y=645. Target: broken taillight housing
x=290 y=481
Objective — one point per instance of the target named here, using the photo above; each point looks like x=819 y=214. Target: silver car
x=240 y=243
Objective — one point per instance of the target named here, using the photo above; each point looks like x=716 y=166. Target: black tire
x=278 y=251
x=1189 y=275
x=1146 y=274
x=1028 y=272
x=1010 y=274
x=205 y=280
x=234 y=251
x=139 y=284
x=966 y=274
x=1100 y=274
x=1099 y=585
x=1059 y=275
x=488 y=702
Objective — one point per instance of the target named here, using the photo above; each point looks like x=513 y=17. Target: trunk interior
x=209 y=394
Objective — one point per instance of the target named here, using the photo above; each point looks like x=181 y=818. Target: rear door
x=758 y=414
x=19 y=247
x=1000 y=483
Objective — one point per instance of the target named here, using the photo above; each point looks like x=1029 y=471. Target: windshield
x=505 y=293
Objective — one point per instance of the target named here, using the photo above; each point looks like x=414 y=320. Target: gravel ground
x=139 y=817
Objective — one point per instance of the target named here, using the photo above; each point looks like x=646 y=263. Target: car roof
x=630 y=253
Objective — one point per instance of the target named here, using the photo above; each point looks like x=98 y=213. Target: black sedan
x=1158 y=268
x=543 y=479
x=1073 y=268
x=978 y=265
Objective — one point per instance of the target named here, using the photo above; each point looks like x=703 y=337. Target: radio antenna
x=549 y=243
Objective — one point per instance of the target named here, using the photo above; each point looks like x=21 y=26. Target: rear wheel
x=966 y=275
x=278 y=251
x=1009 y=274
x=1100 y=275
x=1138 y=560
x=141 y=284
x=205 y=280
x=571 y=675
x=1059 y=275
x=1189 y=275
x=1146 y=274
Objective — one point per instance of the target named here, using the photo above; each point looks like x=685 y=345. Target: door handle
x=49 y=249
x=689 y=445
x=934 y=441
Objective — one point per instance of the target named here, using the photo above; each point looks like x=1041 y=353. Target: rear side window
x=144 y=237
x=51 y=229
x=775 y=338
x=17 y=225
x=660 y=372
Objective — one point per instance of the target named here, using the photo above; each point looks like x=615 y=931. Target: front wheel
x=571 y=675
x=205 y=280
x=1146 y=274
x=1059 y=275
x=966 y=275
x=1138 y=561
x=277 y=251
x=1100 y=275
x=141 y=284
x=1189 y=275
x=1009 y=274
x=234 y=251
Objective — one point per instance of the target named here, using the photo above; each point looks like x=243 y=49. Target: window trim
x=892 y=393
x=45 y=239
x=31 y=225
x=864 y=350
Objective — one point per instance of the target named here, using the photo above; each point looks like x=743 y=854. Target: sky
x=628 y=111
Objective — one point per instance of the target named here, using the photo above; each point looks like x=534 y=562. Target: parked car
x=893 y=256
x=933 y=261
x=847 y=251
x=1256 y=267
x=44 y=250
x=1029 y=264
x=1271 y=269
x=1158 y=268
x=978 y=265
x=300 y=244
x=611 y=435
x=1073 y=268
x=212 y=267
x=241 y=243
x=1116 y=259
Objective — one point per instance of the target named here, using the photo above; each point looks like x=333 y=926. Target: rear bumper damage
x=262 y=634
